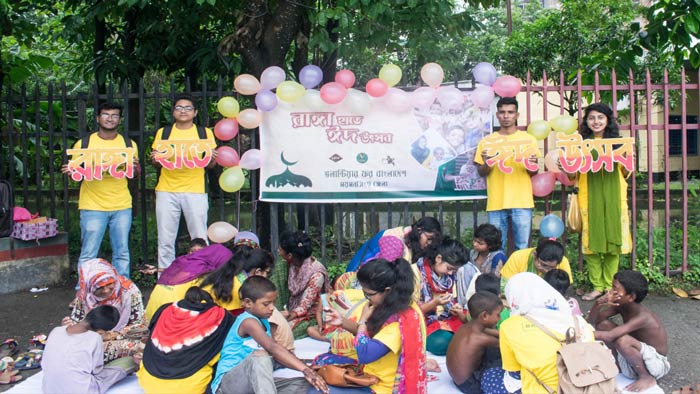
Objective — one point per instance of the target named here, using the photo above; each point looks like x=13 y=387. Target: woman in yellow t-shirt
x=390 y=332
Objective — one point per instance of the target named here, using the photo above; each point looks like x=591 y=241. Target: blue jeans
x=522 y=223
x=92 y=229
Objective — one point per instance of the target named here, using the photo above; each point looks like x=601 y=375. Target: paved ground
x=26 y=314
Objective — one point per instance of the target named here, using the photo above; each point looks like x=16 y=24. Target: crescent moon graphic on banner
x=287 y=163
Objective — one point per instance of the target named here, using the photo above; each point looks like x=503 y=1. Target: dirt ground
x=26 y=314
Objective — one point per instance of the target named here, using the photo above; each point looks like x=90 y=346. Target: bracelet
x=361 y=322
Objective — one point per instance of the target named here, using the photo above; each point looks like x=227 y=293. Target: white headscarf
x=529 y=295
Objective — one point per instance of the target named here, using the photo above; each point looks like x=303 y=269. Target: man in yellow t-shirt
x=181 y=190
x=509 y=195
x=548 y=255
x=105 y=202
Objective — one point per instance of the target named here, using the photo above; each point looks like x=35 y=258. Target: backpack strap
x=85 y=141
x=201 y=132
x=167 y=129
x=541 y=383
x=544 y=329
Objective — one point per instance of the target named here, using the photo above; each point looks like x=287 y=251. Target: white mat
x=306 y=348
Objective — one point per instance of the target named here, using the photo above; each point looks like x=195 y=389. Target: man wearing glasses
x=106 y=202
x=181 y=191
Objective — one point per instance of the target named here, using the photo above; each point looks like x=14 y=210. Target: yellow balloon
x=539 y=129
x=391 y=74
x=249 y=118
x=228 y=106
x=290 y=91
x=246 y=84
x=232 y=179
x=564 y=124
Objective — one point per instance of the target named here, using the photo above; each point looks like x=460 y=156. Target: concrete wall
x=27 y=264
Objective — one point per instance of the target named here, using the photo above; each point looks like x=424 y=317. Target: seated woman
x=307 y=280
x=548 y=255
x=416 y=239
x=100 y=284
x=525 y=348
x=185 y=344
x=443 y=315
x=389 y=330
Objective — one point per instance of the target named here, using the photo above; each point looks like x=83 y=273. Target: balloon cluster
x=543 y=184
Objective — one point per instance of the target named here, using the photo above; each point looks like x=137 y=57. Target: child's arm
x=625 y=328
x=603 y=308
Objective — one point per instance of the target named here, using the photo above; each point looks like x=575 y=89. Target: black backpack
x=201 y=132
x=7 y=203
x=86 y=140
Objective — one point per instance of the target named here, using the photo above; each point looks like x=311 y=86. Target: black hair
x=103 y=317
x=107 y=105
x=549 y=250
x=196 y=295
x=198 y=242
x=558 y=279
x=488 y=282
x=426 y=224
x=507 y=101
x=184 y=96
x=243 y=259
x=256 y=287
x=489 y=234
x=612 y=130
x=297 y=243
x=451 y=250
x=483 y=301
x=393 y=277
x=633 y=282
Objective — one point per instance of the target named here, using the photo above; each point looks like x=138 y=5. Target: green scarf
x=604 y=224
x=531 y=263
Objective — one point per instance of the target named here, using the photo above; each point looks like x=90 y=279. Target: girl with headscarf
x=100 y=284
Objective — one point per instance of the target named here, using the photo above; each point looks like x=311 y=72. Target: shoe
x=590 y=296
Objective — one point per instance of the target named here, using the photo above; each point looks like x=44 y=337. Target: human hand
x=367 y=311
x=66 y=322
x=65 y=169
x=332 y=317
x=149 y=270
x=485 y=156
x=610 y=298
x=443 y=299
x=532 y=160
x=315 y=380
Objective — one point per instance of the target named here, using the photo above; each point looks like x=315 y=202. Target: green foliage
x=673 y=29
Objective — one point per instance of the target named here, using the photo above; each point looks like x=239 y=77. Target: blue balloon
x=551 y=226
x=484 y=73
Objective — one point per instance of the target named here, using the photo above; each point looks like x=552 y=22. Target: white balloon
x=251 y=159
x=221 y=232
x=357 y=102
x=313 y=100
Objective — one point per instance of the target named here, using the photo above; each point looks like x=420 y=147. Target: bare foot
x=432 y=366
x=641 y=384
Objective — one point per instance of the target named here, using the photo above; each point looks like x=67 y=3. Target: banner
x=333 y=155
x=90 y=163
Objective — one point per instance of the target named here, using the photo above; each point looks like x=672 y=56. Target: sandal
x=37 y=342
x=9 y=348
x=10 y=376
x=29 y=360
x=592 y=295
x=693 y=389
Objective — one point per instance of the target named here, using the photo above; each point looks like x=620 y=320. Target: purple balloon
x=310 y=76
x=265 y=100
x=271 y=77
x=484 y=73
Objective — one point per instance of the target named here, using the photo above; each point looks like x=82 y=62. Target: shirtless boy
x=472 y=350
x=641 y=341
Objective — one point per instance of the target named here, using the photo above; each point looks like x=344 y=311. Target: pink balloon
x=507 y=86
x=450 y=97
x=482 y=96
x=345 y=78
x=226 y=129
x=397 y=100
x=226 y=156
x=251 y=159
x=376 y=87
x=564 y=180
x=543 y=184
x=423 y=97
x=333 y=92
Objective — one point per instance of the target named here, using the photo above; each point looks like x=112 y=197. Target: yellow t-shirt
x=165 y=294
x=197 y=383
x=108 y=194
x=507 y=191
x=235 y=302
x=517 y=263
x=182 y=180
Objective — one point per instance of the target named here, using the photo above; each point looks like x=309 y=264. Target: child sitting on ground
x=559 y=279
x=73 y=360
x=485 y=257
x=245 y=364
x=492 y=284
x=640 y=341
x=473 y=350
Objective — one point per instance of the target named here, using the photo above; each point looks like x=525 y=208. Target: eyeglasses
x=368 y=295
x=545 y=267
x=110 y=116
x=185 y=108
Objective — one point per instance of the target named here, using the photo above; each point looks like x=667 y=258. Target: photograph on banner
x=90 y=163
x=331 y=154
x=178 y=154
x=592 y=155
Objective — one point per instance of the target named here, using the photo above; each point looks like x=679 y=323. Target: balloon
x=423 y=97
x=551 y=226
x=265 y=100
x=376 y=87
x=251 y=159
x=539 y=129
x=232 y=179
x=345 y=78
x=226 y=129
x=246 y=84
x=312 y=99
x=226 y=156
x=507 y=86
x=249 y=235
x=543 y=184
x=228 y=106
x=250 y=118
x=310 y=76
x=357 y=102
x=271 y=77
x=290 y=91
x=484 y=73
x=221 y=232
x=432 y=74
x=397 y=100
x=551 y=161
x=450 y=97
x=564 y=179
x=564 y=124
x=482 y=96
x=391 y=74
x=333 y=92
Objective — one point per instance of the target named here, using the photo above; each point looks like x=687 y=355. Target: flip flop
x=29 y=360
x=9 y=347
x=10 y=376
x=692 y=389
x=37 y=342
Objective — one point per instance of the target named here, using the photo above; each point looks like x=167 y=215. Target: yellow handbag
x=573 y=212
